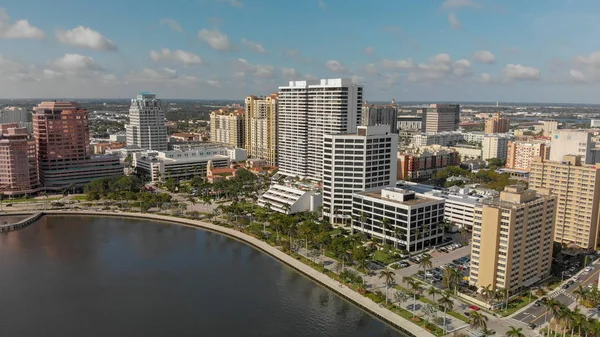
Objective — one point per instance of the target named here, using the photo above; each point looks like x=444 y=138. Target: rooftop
x=418 y=198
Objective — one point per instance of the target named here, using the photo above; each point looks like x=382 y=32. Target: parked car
x=532 y=325
x=474 y=307
x=467 y=313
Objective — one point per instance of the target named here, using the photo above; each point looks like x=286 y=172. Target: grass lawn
x=451 y=312
x=517 y=304
x=79 y=197
x=384 y=257
x=16 y=200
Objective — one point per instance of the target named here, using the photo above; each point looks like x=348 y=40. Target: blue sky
x=426 y=50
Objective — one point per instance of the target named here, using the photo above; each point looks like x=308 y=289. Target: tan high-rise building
x=441 y=117
x=512 y=239
x=227 y=127
x=577 y=188
x=260 y=123
x=497 y=124
x=520 y=154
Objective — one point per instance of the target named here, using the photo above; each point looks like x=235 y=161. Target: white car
x=588 y=269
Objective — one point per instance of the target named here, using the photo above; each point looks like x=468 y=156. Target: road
x=539 y=315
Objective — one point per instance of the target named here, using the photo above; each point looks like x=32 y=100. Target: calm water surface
x=83 y=276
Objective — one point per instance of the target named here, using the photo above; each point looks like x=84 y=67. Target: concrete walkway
x=384 y=314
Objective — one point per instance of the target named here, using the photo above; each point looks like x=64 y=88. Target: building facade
x=289 y=200
x=423 y=165
x=441 y=117
x=410 y=220
x=572 y=142
x=495 y=146
x=307 y=111
x=227 y=127
x=496 y=124
x=520 y=154
x=577 y=188
x=261 y=120
x=64 y=160
x=146 y=128
x=512 y=239
x=381 y=115
x=356 y=162
x=18 y=163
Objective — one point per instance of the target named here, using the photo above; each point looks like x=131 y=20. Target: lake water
x=84 y=276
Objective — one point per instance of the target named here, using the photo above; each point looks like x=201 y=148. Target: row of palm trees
x=567 y=321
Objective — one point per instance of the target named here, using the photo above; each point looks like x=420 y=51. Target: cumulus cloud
x=289 y=72
x=174 y=25
x=215 y=39
x=85 y=37
x=178 y=56
x=520 y=72
x=586 y=68
x=577 y=75
x=593 y=60
x=484 y=56
x=449 y=4
x=439 y=68
x=253 y=46
x=234 y=3
x=461 y=68
x=20 y=29
x=336 y=66
x=397 y=64
x=454 y=21
x=162 y=75
x=369 y=50
x=77 y=63
x=245 y=67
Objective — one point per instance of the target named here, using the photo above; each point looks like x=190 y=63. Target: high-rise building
x=17 y=161
x=425 y=163
x=411 y=220
x=441 y=117
x=577 y=188
x=572 y=142
x=381 y=115
x=356 y=162
x=61 y=134
x=227 y=127
x=146 y=128
x=261 y=128
x=495 y=146
x=497 y=124
x=512 y=239
x=520 y=154
x=547 y=127
x=307 y=111
x=13 y=115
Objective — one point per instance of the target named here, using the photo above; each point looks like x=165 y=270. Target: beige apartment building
x=497 y=124
x=576 y=186
x=227 y=127
x=520 y=154
x=260 y=122
x=512 y=239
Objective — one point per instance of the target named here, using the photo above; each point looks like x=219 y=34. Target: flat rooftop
x=419 y=198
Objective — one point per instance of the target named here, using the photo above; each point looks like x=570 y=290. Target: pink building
x=18 y=169
x=62 y=137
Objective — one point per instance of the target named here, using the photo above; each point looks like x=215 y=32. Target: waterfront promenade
x=375 y=309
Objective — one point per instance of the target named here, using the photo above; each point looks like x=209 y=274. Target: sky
x=408 y=50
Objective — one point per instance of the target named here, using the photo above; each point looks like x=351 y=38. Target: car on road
x=403 y=264
x=588 y=269
x=474 y=307
x=467 y=313
x=532 y=325
x=7 y=205
x=537 y=303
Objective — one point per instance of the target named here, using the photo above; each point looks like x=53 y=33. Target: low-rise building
x=459 y=206
x=287 y=199
x=184 y=137
x=520 y=154
x=413 y=221
x=423 y=165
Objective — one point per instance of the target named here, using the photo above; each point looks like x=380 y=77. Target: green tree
x=426 y=263
x=446 y=302
x=478 y=320
x=388 y=277
x=415 y=287
x=515 y=332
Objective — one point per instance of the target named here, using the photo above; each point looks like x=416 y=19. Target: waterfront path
x=386 y=315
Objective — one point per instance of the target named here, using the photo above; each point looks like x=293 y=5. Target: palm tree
x=486 y=292
x=515 y=332
x=563 y=317
x=478 y=320
x=363 y=219
x=388 y=277
x=451 y=278
x=433 y=291
x=397 y=231
x=384 y=224
x=426 y=263
x=553 y=308
x=415 y=287
x=581 y=294
x=487 y=332
x=446 y=302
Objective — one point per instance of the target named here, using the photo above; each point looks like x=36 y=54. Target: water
x=83 y=276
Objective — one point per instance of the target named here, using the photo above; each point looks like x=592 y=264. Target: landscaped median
x=393 y=315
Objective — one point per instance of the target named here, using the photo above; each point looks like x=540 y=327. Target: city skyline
x=466 y=50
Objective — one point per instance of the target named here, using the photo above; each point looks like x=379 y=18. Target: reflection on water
x=82 y=276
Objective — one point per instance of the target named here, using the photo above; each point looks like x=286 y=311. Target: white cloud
x=20 y=29
x=53 y=75
x=484 y=78
x=178 y=56
x=234 y=3
x=461 y=68
x=214 y=83
x=17 y=72
x=439 y=68
x=336 y=66
x=577 y=75
x=397 y=64
x=163 y=75
x=174 y=25
x=85 y=37
x=243 y=66
x=369 y=50
x=460 y=3
x=520 y=72
x=289 y=72
x=77 y=63
x=593 y=60
x=454 y=21
x=484 y=56
x=253 y=46
x=215 y=39
x=322 y=5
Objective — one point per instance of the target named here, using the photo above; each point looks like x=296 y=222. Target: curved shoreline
x=364 y=303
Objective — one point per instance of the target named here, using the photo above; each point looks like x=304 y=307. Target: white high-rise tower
x=307 y=111
x=146 y=128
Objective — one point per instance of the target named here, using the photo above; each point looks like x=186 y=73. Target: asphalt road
x=537 y=315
